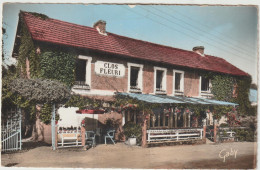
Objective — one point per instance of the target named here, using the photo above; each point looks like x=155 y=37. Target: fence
x=11 y=138
x=173 y=135
x=229 y=133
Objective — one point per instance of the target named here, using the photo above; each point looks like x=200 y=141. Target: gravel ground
x=124 y=156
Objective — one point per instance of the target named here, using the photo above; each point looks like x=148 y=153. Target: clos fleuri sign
x=109 y=69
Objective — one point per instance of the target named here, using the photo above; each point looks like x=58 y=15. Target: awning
x=164 y=99
x=90 y=111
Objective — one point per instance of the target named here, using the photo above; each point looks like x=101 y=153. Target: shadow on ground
x=28 y=145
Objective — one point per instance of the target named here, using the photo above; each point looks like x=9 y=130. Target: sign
x=109 y=69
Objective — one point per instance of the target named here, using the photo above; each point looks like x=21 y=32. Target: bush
x=111 y=123
x=41 y=90
x=245 y=135
x=133 y=130
x=223 y=125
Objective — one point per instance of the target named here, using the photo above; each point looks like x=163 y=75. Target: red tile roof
x=64 y=33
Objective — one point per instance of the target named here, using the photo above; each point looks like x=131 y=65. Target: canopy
x=164 y=99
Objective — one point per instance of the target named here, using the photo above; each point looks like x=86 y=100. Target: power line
x=180 y=31
x=197 y=21
x=192 y=31
x=220 y=40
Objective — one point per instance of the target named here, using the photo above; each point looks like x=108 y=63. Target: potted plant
x=133 y=133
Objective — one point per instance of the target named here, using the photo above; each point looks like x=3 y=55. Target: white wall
x=69 y=117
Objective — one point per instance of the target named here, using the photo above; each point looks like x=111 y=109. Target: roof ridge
x=121 y=36
x=57 y=20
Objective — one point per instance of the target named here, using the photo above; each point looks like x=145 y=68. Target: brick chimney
x=101 y=27
x=199 y=50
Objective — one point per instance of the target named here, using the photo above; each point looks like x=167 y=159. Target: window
x=135 y=77
x=205 y=86
x=83 y=73
x=81 y=70
x=160 y=80
x=178 y=82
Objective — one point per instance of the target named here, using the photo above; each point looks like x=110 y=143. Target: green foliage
x=83 y=102
x=59 y=66
x=8 y=74
x=222 y=87
x=243 y=95
x=41 y=16
x=27 y=51
x=111 y=123
x=245 y=135
x=54 y=65
x=40 y=91
x=219 y=110
x=46 y=113
x=198 y=110
x=133 y=130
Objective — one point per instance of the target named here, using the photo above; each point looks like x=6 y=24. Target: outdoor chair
x=110 y=135
x=90 y=138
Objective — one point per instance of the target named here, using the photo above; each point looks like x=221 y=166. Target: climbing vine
x=27 y=52
x=48 y=63
x=81 y=102
x=243 y=86
x=222 y=87
x=46 y=115
x=58 y=65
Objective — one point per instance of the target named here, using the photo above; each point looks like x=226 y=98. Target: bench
x=69 y=138
x=173 y=135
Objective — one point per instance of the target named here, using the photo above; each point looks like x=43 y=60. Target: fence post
x=56 y=136
x=204 y=129
x=144 y=141
x=215 y=130
x=20 y=127
x=148 y=135
x=53 y=136
x=83 y=137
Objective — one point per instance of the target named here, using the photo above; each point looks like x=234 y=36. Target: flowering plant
x=83 y=123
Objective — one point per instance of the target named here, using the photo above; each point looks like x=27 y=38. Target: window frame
x=88 y=70
x=181 y=92
x=139 y=78
x=164 y=80
x=203 y=93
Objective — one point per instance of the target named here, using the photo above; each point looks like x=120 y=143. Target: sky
x=229 y=32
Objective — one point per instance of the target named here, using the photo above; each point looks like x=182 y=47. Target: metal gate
x=11 y=138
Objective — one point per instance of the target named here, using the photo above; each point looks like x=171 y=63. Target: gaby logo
x=224 y=153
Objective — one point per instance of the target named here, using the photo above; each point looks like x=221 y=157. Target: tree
x=39 y=91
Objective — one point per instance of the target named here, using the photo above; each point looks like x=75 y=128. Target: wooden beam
x=144 y=128
x=176 y=120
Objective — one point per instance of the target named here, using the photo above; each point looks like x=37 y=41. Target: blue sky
x=229 y=32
